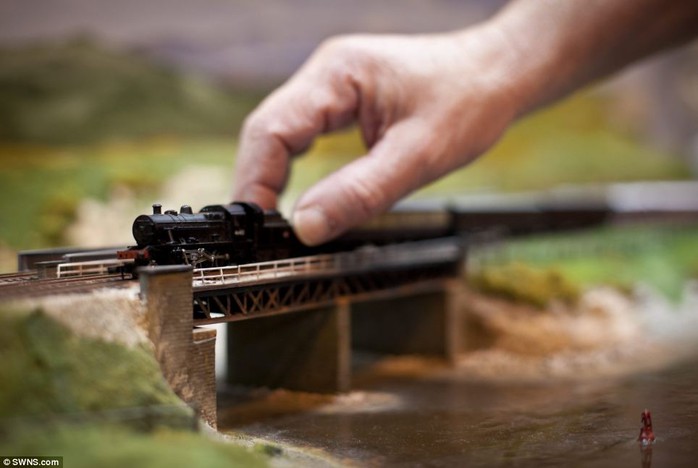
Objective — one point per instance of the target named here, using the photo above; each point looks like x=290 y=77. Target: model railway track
x=30 y=286
x=15 y=278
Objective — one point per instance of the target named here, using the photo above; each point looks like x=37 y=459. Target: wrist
x=542 y=59
x=504 y=73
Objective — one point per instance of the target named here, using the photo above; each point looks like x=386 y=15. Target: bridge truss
x=295 y=284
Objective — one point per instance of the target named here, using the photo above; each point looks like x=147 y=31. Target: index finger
x=312 y=102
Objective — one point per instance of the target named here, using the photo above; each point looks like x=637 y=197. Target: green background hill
x=78 y=92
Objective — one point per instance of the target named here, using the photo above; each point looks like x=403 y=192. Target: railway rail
x=74 y=277
x=25 y=285
x=13 y=278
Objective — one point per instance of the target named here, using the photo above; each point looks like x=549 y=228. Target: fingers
x=320 y=98
x=261 y=169
x=396 y=166
x=401 y=90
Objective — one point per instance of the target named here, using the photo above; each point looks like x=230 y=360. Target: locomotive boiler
x=217 y=235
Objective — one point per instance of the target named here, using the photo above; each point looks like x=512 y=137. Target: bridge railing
x=88 y=268
x=264 y=270
x=391 y=256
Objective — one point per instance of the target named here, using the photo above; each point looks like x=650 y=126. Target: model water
x=498 y=408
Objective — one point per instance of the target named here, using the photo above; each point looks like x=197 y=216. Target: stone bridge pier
x=307 y=349
x=186 y=353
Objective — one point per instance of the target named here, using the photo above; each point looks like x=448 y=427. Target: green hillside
x=79 y=92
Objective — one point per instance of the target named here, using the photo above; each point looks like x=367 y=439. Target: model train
x=217 y=235
x=241 y=232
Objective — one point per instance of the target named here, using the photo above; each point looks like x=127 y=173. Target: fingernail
x=311 y=225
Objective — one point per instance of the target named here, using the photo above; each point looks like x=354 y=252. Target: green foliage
x=77 y=91
x=35 y=179
x=573 y=142
x=94 y=403
x=267 y=449
x=110 y=446
x=48 y=370
x=57 y=215
x=524 y=284
x=661 y=256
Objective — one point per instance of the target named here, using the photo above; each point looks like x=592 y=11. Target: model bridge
x=226 y=294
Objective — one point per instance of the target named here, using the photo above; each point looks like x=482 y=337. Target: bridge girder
x=240 y=303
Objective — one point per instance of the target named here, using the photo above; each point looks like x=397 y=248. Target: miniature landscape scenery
x=91 y=135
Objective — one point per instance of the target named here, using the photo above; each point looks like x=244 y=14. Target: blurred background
x=107 y=107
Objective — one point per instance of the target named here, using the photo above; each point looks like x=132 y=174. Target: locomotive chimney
x=186 y=209
x=157 y=208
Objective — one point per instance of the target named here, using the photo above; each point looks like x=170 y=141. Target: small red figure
x=646 y=436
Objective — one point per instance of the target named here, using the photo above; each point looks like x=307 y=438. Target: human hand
x=425 y=106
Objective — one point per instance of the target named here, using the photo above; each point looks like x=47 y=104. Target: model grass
x=95 y=403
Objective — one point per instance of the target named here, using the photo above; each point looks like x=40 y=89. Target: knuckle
x=254 y=125
x=337 y=44
x=341 y=53
x=334 y=106
x=259 y=127
x=366 y=198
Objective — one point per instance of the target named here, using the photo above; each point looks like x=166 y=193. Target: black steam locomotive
x=217 y=235
x=240 y=232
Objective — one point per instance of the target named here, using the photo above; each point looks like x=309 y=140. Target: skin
x=429 y=104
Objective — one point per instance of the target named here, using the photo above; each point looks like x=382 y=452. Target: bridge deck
x=248 y=291
x=396 y=256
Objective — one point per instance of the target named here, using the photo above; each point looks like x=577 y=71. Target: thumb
x=398 y=164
